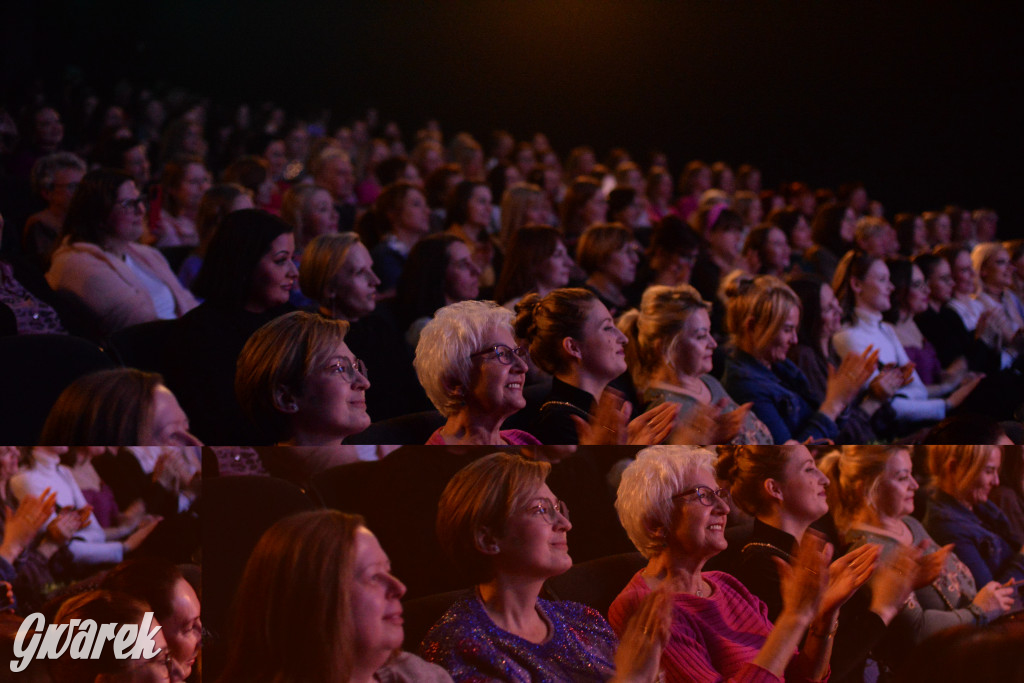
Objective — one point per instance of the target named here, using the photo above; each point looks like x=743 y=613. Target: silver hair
x=644 y=500
x=443 y=353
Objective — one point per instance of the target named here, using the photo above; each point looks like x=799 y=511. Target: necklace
x=754 y=544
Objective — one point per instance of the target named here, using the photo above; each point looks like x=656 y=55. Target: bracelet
x=820 y=633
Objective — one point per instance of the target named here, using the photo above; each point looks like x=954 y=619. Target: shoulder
x=406 y=666
x=574 y=613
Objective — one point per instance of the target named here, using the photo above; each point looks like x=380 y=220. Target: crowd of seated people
x=752 y=563
x=118 y=225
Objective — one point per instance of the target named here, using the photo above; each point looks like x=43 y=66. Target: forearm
x=817 y=649
x=782 y=641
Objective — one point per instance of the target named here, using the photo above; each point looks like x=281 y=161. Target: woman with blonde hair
x=763 y=320
x=318 y=602
x=298 y=381
x=499 y=521
x=871 y=496
x=959 y=512
x=669 y=355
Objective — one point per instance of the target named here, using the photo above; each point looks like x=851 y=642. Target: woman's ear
x=856 y=285
x=572 y=348
x=486 y=541
x=284 y=399
x=773 y=489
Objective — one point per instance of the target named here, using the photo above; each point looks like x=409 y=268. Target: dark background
x=921 y=101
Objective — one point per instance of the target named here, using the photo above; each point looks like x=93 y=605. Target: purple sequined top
x=472 y=648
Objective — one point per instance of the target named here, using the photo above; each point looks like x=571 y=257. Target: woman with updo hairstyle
x=498 y=520
x=400 y=218
x=609 y=255
x=669 y=355
x=871 y=497
x=572 y=337
x=119 y=407
x=959 y=512
x=582 y=206
x=182 y=184
x=300 y=384
x=537 y=261
x=522 y=204
x=317 y=602
x=784 y=491
x=101 y=262
x=217 y=202
x=763 y=320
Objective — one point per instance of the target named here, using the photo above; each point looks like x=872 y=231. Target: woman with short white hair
x=473 y=372
x=675 y=513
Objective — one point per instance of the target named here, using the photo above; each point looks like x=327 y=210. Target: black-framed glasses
x=503 y=353
x=548 y=509
x=129 y=204
x=351 y=370
x=705 y=494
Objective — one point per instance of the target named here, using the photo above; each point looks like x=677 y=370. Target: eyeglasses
x=549 y=510
x=705 y=494
x=129 y=204
x=351 y=370
x=503 y=353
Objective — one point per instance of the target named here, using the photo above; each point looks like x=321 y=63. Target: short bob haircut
x=292 y=614
x=653 y=330
x=280 y=355
x=443 y=364
x=853 y=474
x=954 y=468
x=105 y=408
x=599 y=242
x=644 y=500
x=321 y=263
x=244 y=237
x=744 y=469
x=529 y=248
x=545 y=322
x=480 y=498
x=757 y=313
x=88 y=218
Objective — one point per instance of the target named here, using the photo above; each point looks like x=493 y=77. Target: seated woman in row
x=536 y=261
x=675 y=514
x=498 y=519
x=609 y=254
x=101 y=262
x=959 y=512
x=571 y=336
x=473 y=372
x=317 y=602
x=784 y=491
x=872 y=500
x=299 y=382
x=863 y=288
x=401 y=219
x=670 y=356
x=763 y=320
